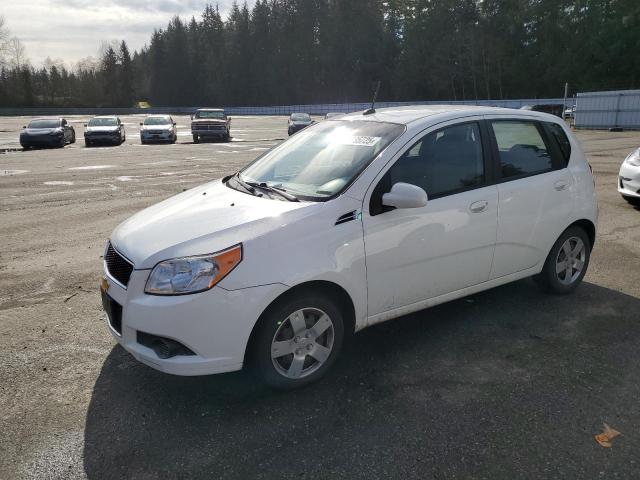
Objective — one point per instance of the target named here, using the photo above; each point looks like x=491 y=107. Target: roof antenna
x=373 y=103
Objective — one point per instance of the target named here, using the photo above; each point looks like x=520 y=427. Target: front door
x=417 y=254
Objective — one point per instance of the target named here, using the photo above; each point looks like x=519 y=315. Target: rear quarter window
x=560 y=137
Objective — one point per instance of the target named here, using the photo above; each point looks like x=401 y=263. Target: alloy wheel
x=302 y=343
x=571 y=260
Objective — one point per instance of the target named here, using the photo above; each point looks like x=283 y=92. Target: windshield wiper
x=280 y=191
x=247 y=186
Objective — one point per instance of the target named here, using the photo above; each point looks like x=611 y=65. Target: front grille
x=117 y=266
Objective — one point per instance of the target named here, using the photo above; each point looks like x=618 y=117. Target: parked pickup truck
x=210 y=123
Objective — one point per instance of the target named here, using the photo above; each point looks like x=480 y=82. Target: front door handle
x=479 y=206
x=560 y=185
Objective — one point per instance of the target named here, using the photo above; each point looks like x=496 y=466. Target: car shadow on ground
x=504 y=382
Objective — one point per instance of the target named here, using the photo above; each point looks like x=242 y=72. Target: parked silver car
x=158 y=128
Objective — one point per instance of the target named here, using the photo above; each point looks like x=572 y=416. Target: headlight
x=181 y=276
x=634 y=158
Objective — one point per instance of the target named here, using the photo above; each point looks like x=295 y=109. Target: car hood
x=156 y=127
x=101 y=129
x=203 y=220
x=301 y=123
x=41 y=131
x=208 y=120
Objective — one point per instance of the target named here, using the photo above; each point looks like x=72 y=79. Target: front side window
x=443 y=162
x=323 y=159
x=521 y=149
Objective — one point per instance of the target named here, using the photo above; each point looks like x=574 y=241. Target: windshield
x=157 y=121
x=300 y=117
x=44 y=123
x=323 y=159
x=207 y=114
x=103 y=122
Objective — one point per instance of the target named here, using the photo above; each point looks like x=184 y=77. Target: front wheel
x=297 y=341
x=196 y=139
x=73 y=136
x=567 y=262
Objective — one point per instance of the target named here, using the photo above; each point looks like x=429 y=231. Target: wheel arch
x=328 y=288
x=588 y=226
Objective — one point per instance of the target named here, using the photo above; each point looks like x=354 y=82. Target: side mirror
x=24 y=126
x=405 y=195
x=174 y=124
x=140 y=123
x=85 y=125
x=192 y=116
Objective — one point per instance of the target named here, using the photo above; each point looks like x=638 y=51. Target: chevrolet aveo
x=347 y=224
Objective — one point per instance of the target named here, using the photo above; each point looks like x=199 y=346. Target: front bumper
x=215 y=325
x=40 y=140
x=296 y=128
x=629 y=180
x=156 y=137
x=103 y=137
x=212 y=131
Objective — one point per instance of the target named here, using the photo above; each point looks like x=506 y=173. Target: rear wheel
x=196 y=139
x=635 y=201
x=298 y=341
x=567 y=262
x=87 y=143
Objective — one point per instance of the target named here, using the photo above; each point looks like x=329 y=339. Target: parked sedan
x=358 y=221
x=107 y=129
x=298 y=121
x=47 y=132
x=158 y=128
x=629 y=178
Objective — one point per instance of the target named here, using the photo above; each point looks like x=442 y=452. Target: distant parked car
x=47 y=132
x=332 y=115
x=570 y=112
x=106 y=129
x=554 y=109
x=298 y=121
x=629 y=179
x=158 y=128
x=210 y=123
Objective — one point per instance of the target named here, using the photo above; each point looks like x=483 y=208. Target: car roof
x=105 y=116
x=46 y=118
x=413 y=113
x=210 y=110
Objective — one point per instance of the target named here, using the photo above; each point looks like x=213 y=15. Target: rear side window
x=444 y=162
x=558 y=134
x=521 y=149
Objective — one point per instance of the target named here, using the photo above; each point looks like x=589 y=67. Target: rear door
x=534 y=193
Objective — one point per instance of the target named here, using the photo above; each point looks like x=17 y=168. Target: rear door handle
x=479 y=206
x=560 y=185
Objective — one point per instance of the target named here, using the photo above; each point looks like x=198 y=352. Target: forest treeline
x=316 y=51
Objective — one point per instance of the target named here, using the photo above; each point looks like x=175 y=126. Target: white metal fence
x=604 y=110
x=315 y=109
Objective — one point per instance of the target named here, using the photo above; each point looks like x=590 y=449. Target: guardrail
x=314 y=109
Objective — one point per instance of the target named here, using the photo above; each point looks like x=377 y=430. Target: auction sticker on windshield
x=361 y=141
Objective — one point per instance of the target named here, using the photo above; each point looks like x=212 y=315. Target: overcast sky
x=73 y=29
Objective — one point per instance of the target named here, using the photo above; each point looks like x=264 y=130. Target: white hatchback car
x=629 y=178
x=347 y=224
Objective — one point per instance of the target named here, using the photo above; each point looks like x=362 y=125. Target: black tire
x=226 y=137
x=632 y=200
x=63 y=142
x=275 y=321
x=87 y=143
x=26 y=147
x=73 y=136
x=143 y=142
x=196 y=139
x=551 y=281
x=124 y=139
